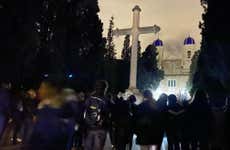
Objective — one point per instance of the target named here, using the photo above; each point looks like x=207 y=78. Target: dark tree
x=193 y=68
x=127 y=48
x=83 y=43
x=18 y=39
x=139 y=50
x=126 y=51
x=50 y=36
x=9 y=38
x=149 y=75
x=50 y=58
x=213 y=64
x=110 y=50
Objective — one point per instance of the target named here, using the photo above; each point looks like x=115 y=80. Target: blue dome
x=189 y=41
x=158 y=42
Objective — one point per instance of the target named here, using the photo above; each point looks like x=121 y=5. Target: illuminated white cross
x=135 y=31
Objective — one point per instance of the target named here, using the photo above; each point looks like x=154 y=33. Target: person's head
x=69 y=95
x=163 y=99
x=132 y=99
x=48 y=89
x=148 y=95
x=172 y=100
x=81 y=96
x=101 y=87
x=32 y=94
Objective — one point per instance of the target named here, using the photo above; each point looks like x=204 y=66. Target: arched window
x=171 y=83
x=189 y=54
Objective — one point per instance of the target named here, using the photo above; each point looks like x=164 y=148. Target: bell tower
x=188 y=52
x=160 y=50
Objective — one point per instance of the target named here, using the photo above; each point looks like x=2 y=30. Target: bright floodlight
x=70 y=75
x=46 y=75
x=157 y=93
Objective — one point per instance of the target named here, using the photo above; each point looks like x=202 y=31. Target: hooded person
x=148 y=123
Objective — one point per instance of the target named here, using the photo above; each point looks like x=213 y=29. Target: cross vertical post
x=135 y=31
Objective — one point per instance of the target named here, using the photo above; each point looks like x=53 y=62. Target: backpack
x=94 y=114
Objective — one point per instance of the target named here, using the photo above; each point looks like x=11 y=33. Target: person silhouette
x=198 y=117
x=5 y=105
x=219 y=121
x=50 y=131
x=148 y=123
x=162 y=102
x=96 y=117
x=175 y=117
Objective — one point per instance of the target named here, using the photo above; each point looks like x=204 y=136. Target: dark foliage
x=126 y=51
x=213 y=72
x=193 y=68
x=149 y=75
x=116 y=72
x=50 y=36
x=110 y=50
x=127 y=48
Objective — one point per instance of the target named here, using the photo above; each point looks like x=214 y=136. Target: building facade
x=176 y=68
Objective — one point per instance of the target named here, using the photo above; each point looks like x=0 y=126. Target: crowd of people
x=57 y=118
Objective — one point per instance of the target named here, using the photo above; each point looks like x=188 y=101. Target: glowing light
x=157 y=93
x=184 y=95
x=181 y=94
x=46 y=75
x=70 y=76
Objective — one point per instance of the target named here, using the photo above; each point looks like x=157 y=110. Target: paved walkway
x=107 y=146
x=135 y=147
x=12 y=147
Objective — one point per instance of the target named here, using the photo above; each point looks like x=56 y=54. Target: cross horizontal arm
x=151 y=29
x=119 y=32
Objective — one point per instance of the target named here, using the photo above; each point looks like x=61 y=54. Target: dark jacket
x=50 y=131
x=102 y=109
x=198 y=120
x=219 y=123
x=5 y=101
x=29 y=107
x=149 y=129
x=121 y=113
x=74 y=110
x=122 y=121
x=175 y=124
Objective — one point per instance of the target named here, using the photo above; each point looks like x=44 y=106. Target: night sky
x=177 y=19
